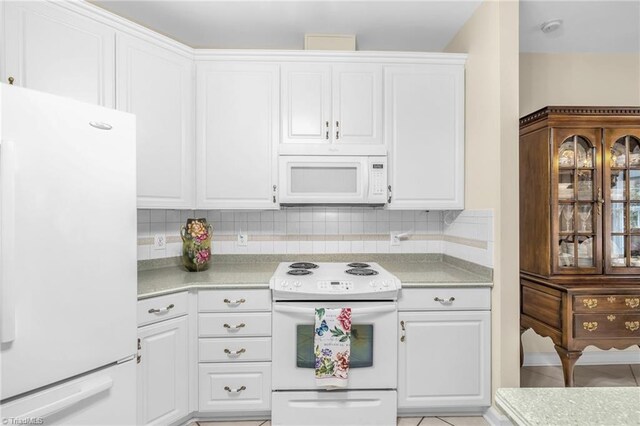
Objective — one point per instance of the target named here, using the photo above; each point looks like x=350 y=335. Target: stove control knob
x=297 y=283
x=285 y=284
x=385 y=284
x=372 y=283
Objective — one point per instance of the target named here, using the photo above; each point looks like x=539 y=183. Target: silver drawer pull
x=160 y=311
x=240 y=389
x=236 y=327
x=232 y=353
x=444 y=301
x=234 y=302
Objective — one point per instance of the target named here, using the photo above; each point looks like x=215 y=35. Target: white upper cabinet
x=54 y=50
x=424 y=127
x=328 y=108
x=237 y=135
x=156 y=84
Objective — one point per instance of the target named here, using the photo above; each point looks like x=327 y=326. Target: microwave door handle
x=354 y=311
x=365 y=185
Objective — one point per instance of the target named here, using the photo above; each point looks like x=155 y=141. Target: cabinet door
x=621 y=171
x=444 y=360
x=156 y=85
x=237 y=135
x=163 y=372
x=306 y=103
x=54 y=50
x=424 y=127
x=357 y=104
x=576 y=193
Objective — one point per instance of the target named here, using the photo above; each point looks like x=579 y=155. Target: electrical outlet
x=394 y=238
x=159 y=241
x=242 y=239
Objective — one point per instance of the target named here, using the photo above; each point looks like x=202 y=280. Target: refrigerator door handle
x=7 y=241
x=87 y=390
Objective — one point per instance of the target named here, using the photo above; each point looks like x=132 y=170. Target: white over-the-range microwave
x=333 y=180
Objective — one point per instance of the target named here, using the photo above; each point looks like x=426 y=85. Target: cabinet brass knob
x=590 y=303
x=11 y=80
x=590 y=326
x=632 y=302
x=632 y=325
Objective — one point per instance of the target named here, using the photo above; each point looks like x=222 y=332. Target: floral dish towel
x=332 y=343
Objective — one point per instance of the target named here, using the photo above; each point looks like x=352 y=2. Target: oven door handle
x=354 y=311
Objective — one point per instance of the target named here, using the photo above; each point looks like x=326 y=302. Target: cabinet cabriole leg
x=568 y=360
x=522 y=330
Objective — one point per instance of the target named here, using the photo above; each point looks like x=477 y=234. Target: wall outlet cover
x=242 y=239
x=159 y=241
x=394 y=239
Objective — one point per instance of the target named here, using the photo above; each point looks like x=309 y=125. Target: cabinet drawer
x=235 y=350
x=444 y=299
x=161 y=308
x=607 y=303
x=234 y=300
x=604 y=326
x=229 y=325
x=234 y=387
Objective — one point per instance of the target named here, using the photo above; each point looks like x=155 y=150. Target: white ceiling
x=426 y=25
x=588 y=26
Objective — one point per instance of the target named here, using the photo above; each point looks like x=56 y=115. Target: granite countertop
x=570 y=406
x=163 y=276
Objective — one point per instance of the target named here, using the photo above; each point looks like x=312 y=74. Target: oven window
x=361 y=346
x=322 y=180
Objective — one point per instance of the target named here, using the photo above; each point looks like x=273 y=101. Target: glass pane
x=585 y=251
x=566 y=252
x=324 y=180
x=618 y=252
x=634 y=184
x=618 y=184
x=361 y=346
x=585 y=153
x=635 y=250
x=565 y=185
x=566 y=217
x=566 y=154
x=585 y=185
x=619 y=153
x=618 y=216
x=585 y=218
x=634 y=152
x=634 y=216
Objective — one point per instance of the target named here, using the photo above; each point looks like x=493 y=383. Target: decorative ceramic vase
x=196 y=244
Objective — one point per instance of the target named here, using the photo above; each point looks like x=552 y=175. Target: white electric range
x=371 y=292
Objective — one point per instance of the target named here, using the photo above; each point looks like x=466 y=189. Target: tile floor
x=585 y=375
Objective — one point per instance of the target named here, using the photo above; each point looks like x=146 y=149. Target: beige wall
x=490 y=37
x=575 y=79
x=578 y=79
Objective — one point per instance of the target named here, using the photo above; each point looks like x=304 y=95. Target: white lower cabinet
x=163 y=372
x=444 y=357
x=234 y=352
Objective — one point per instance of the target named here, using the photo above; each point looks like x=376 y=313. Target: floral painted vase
x=196 y=244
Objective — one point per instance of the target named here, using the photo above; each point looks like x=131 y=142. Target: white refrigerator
x=67 y=261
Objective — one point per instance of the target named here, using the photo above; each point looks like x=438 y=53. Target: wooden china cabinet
x=580 y=228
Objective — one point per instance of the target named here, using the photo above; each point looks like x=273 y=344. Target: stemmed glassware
x=584 y=214
x=567 y=215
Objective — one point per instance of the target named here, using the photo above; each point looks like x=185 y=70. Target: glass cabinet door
x=577 y=202
x=622 y=201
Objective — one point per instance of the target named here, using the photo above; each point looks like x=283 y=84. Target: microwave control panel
x=378 y=178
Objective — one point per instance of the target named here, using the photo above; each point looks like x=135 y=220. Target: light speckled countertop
x=571 y=406
x=163 y=276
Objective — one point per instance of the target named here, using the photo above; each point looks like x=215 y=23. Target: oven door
x=374 y=357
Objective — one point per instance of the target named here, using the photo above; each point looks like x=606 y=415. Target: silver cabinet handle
x=238 y=352
x=389 y=195
x=240 y=389
x=403 y=331
x=163 y=310
x=235 y=302
x=337 y=130
x=234 y=328
x=444 y=301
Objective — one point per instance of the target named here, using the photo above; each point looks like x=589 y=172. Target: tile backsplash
x=466 y=234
